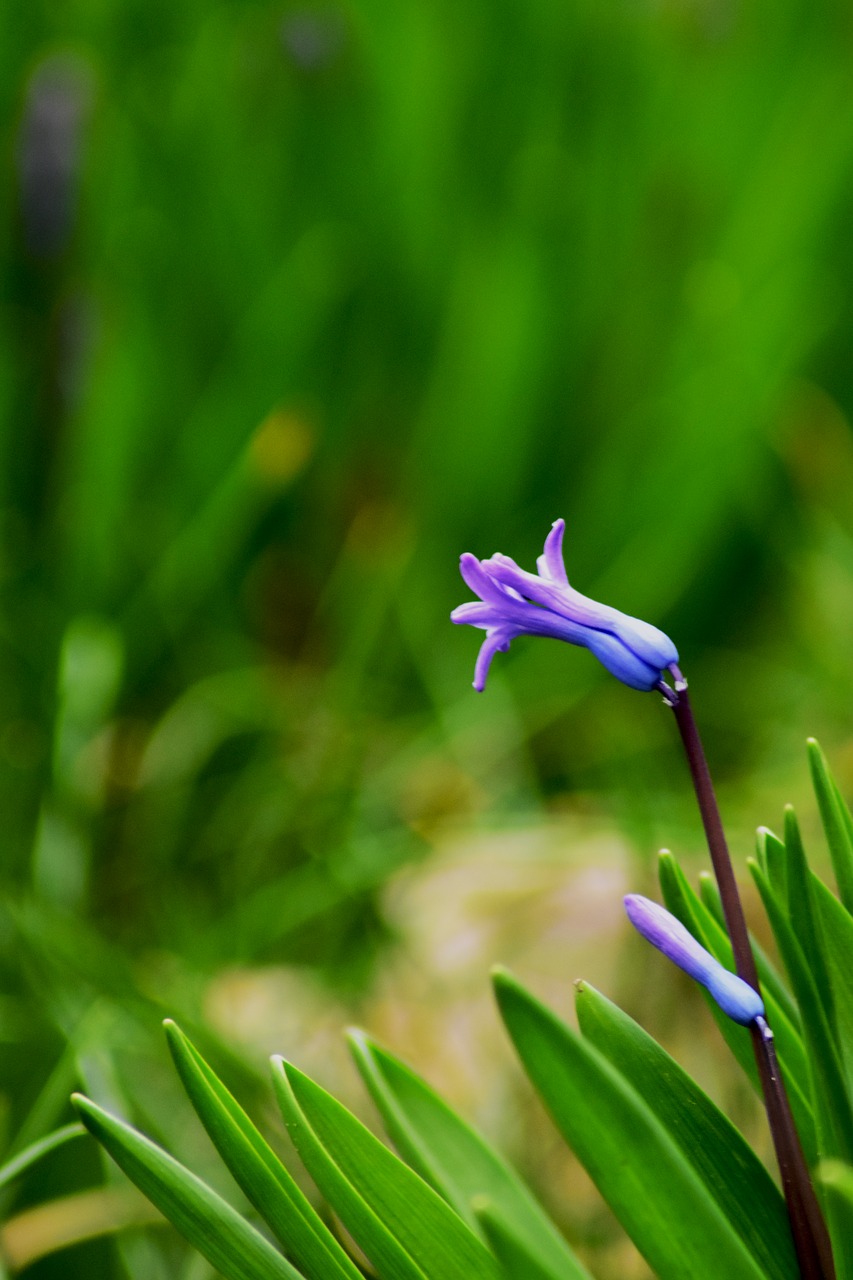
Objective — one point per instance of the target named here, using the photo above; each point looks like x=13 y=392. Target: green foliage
x=683 y=1182
x=307 y=325
x=208 y=1222
x=453 y=1159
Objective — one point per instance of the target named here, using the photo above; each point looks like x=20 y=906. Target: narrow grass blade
x=456 y=1161
x=642 y=1174
x=257 y=1170
x=802 y=913
x=773 y=860
x=723 y=1160
x=836 y=926
x=368 y=1185
x=207 y=1221
x=387 y=1254
x=31 y=1155
x=833 y=1118
x=836 y=820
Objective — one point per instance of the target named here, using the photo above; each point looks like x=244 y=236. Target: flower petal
x=551 y=564
x=495 y=642
x=480 y=581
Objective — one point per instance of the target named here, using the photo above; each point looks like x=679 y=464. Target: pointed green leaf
x=771 y=855
x=726 y=1164
x=431 y=1235
x=386 y=1253
x=455 y=1160
x=833 y=1118
x=207 y=1221
x=31 y=1155
x=518 y=1260
x=836 y=927
x=257 y=1170
x=653 y=1190
x=836 y=820
x=831 y=1102
x=802 y=912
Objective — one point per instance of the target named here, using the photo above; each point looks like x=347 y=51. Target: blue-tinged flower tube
x=513 y=603
x=735 y=997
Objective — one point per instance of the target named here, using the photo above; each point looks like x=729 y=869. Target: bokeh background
x=298 y=303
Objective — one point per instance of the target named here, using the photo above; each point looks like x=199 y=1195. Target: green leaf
x=456 y=1161
x=207 y=1221
x=837 y=823
x=838 y=1177
x=836 y=927
x=19 y=1164
x=683 y=902
x=833 y=1117
x=257 y=1170
x=771 y=855
x=642 y=1174
x=371 y=1188
x=802 y=912
x=831 y=1103
x=517 y=1259
x=724 y=1161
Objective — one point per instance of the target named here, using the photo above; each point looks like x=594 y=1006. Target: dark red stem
x=808 y=1229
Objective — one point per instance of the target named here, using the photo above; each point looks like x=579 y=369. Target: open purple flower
x=734 y=996
x=514 y=603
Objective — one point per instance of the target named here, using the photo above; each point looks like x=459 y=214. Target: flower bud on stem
x=808 y=1229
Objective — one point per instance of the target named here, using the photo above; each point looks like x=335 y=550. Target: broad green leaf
x=518 y=1261
x=724 y=1161
x=207 y=1221
x=642 y=1174
x=836 y=822
x=257 y=1170
x=455 y=1160
x=367 y=1175
x=683 y=902
x=31 y=1155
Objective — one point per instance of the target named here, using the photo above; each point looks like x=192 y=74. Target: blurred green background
x=298 y=303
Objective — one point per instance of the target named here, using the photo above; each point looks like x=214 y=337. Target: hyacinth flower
x=735 y=997
x=514 y=603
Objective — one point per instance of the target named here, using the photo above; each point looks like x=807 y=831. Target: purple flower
x=734 y=996
x=515 y=603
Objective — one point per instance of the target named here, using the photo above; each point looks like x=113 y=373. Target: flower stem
x=808 y=1229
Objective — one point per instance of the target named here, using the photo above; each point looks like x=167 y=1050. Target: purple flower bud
x=514 y=603
x=734 y=996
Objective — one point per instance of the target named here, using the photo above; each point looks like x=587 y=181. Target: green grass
x=311 y=331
